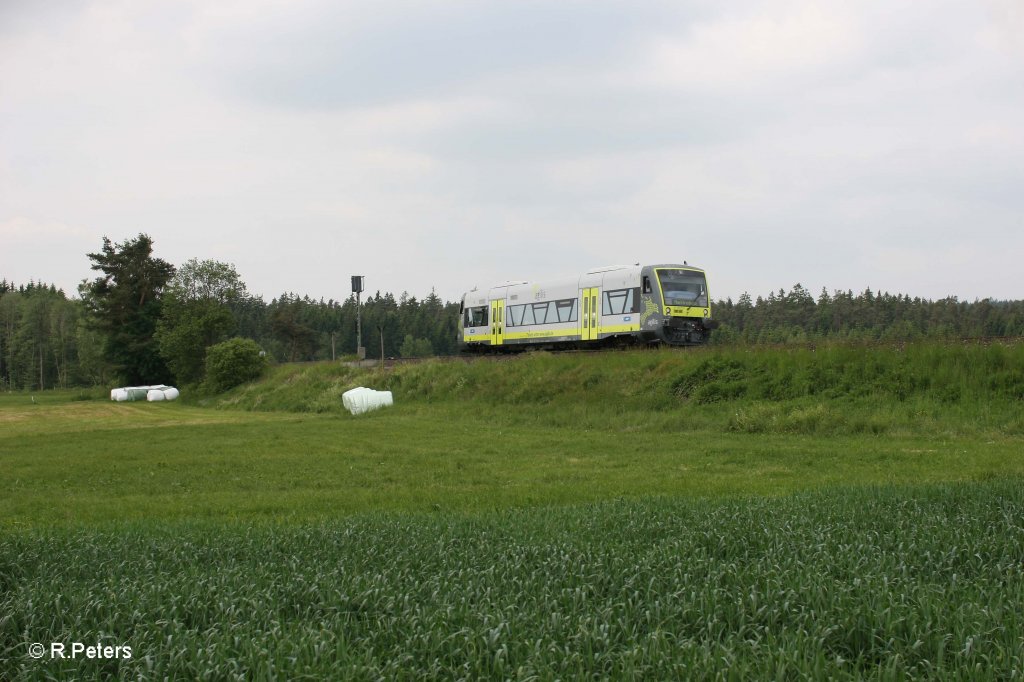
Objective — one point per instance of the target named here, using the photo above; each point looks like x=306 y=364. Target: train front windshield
x=684 y=287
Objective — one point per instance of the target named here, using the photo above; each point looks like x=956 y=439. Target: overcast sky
x=450 y=144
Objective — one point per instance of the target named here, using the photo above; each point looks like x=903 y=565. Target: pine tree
x=124 y=304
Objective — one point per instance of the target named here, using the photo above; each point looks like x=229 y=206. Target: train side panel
x=543 y=312
x=475 y=321
x=620 y=303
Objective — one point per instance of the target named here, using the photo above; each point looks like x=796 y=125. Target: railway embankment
x=973 y=388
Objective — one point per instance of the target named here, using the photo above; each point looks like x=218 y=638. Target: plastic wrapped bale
x=137 y=392
x=171 y=393
x=113 y=393
x=155 y=395
x=353 y=401
x=121 y=395
x=360 y=400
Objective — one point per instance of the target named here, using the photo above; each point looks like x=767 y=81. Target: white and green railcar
x=623 y=304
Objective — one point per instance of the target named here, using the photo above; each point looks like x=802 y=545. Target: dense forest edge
x=143 y=320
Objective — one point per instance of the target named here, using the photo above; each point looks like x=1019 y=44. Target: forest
x=143 y=320
x=796 y=316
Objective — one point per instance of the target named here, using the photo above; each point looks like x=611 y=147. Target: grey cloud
x=402 y=52
x=20 y=17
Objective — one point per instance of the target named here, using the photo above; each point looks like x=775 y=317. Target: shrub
x=233 y=362
x=416 y=348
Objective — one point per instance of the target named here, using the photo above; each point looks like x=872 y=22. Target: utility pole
x=381 y=328
x=357 y=289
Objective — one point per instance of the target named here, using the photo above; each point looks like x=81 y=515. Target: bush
x=416 y=348
x=233 y=362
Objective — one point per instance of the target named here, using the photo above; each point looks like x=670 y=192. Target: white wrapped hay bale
x=349 y=398
x=150 y=393
x=137 y=392
x=360 y=400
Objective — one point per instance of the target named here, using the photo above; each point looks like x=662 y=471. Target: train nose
x=686 y=331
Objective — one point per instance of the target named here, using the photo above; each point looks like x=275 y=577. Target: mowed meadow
x=733 y=513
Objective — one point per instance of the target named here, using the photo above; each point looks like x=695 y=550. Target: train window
x=528 y=314
x=550 y=312
x=566 y=309
x=515 y=315
x=647 y=285
x=621 y=302
x=684 y=287
x=475 y=317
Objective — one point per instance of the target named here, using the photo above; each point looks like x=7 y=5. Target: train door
x=497 y=322
x=589 y=314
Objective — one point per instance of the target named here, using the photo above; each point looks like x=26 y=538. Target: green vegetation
x=233 y=362
x=877 y=583
x=145 y=322
x=952 y=390
x=44 y=342
x=198 y=312
x=147 y=461
x=124 y=306
x=535 y=429
x=416 y=348
x=840 y=512
x=795 y=316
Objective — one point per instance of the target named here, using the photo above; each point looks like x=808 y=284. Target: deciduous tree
x=196 y=314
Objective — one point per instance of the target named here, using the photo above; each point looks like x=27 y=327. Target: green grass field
x=837 y=512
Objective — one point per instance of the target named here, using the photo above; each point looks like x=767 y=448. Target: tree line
x=142 y=320
x=796 y=316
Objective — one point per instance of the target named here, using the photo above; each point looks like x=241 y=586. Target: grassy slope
x=954 y=390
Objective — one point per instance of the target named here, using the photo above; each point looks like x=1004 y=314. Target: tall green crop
x=875 y=583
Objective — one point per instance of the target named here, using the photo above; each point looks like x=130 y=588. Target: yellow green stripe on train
x=618 y=305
